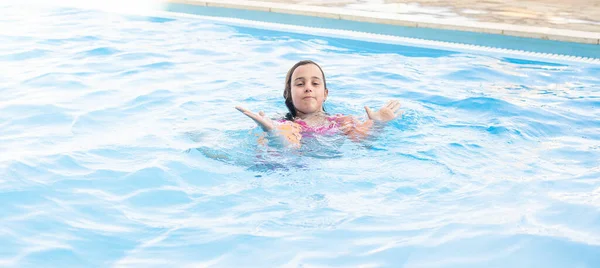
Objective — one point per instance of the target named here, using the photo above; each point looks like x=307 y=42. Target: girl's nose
x=308 y=89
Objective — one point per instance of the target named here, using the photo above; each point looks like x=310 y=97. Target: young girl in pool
x=305 y=92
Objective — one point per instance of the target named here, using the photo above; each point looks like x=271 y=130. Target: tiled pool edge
x=543 y=33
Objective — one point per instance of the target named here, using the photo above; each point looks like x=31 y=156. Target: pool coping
x=544 y=33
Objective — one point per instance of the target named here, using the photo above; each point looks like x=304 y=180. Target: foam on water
x=120 y=146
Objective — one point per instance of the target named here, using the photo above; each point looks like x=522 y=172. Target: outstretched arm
x=353 y=128
x=358 y=131
x=288 y=132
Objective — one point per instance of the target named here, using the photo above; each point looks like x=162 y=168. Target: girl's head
x=305 y=89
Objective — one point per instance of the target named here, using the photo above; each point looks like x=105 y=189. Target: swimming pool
x=121 y=147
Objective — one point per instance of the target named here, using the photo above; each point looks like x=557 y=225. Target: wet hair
x=287 y=92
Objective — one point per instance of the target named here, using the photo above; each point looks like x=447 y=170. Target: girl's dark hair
x=287 y=92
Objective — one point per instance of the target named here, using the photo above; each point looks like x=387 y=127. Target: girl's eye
x=315 y=84
x=299 y=85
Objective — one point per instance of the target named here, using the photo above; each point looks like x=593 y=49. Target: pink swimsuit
x=329 y=129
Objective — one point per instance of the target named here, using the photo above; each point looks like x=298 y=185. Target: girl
x=305 y=92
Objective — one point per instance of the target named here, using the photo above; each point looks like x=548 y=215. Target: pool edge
x=543 y=33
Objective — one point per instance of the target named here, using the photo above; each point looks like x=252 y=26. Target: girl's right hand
x=387 y=113
x=263 y=121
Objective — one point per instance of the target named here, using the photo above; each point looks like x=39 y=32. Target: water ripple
x=120 y=146
x=25 y=55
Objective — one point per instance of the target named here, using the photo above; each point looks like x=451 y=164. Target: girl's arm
x=358 y=131
x=288 y=132
x=353 y=128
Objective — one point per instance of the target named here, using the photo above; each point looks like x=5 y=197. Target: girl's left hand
x=386 y=113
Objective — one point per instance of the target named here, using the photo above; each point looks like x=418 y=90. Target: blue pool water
x=120 y=146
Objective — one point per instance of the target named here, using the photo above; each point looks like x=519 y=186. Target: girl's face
x=308 y=90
